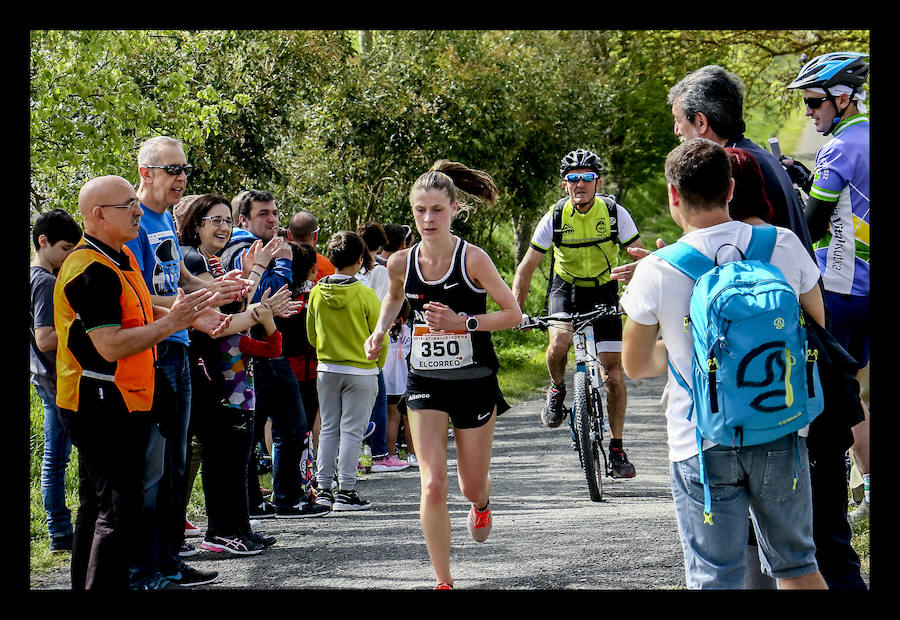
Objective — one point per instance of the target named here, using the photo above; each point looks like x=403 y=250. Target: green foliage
x=343 y=129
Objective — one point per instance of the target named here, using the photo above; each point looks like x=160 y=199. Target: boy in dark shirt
x=55 y=233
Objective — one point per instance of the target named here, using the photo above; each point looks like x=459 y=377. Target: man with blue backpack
x=743 y=385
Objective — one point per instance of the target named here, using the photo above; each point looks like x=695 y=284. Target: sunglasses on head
x=814 y=103
x=574 y=177
x=175 y=169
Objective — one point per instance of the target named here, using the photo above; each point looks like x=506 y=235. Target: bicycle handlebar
x=578 y=320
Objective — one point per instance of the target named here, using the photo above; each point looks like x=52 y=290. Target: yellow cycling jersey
x=585 y=248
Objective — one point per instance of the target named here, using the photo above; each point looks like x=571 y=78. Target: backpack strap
x=688 y=260
x=611 y=205
x=704 y=478
x=762 y=243
x=228 y=255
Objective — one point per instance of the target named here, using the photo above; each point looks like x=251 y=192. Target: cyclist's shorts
x=568 y=298
x=849 y=315
x=468 y=402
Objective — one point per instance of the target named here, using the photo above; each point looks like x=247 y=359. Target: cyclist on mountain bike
x=585 y=230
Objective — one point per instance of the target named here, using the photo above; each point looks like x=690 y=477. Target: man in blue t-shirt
x=163 y=170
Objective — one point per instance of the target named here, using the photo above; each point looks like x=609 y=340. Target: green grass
x=860 y=541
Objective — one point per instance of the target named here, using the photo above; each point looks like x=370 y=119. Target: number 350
x=439 y=349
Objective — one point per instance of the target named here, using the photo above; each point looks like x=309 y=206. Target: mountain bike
x=586 y=415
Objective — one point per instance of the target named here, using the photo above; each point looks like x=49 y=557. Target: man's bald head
x=303 y=226
x=116 y=195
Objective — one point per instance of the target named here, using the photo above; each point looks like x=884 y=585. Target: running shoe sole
x=232 y=546
x=317 y=510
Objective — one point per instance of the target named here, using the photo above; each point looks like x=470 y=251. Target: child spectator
x=55 y=234
x=341 y=314
x=395 y=373
x=374 y=275
x=300 y=354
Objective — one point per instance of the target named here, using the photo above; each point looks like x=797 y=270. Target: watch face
x=471 y=323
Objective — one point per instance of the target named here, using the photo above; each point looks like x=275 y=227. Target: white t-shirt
x=660 y=294
x=395 y=368
x=377 y=279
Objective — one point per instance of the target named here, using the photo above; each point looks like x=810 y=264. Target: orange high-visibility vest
x=134 y=374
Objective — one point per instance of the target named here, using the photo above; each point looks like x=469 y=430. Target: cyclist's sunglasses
x=587 y=177
x=175 y=170
x=814 y=104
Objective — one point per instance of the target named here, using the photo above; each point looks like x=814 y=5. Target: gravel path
x=547 y=534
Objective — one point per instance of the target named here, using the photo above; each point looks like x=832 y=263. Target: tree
x=229 y=96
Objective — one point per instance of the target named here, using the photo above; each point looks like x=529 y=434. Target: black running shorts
x=571 y=299
x=468 y=402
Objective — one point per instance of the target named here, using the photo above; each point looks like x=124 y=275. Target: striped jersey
x=842 y=177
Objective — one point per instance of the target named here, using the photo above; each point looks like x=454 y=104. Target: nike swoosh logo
x=484 y=415
x=446 y=286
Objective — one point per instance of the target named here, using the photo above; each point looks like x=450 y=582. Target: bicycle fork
x=589 y=364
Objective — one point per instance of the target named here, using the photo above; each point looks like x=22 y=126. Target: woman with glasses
x=453 y=375
x=223 y=398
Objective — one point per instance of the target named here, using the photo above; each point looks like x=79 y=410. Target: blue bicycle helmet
x=831 y=69
x=580 y=158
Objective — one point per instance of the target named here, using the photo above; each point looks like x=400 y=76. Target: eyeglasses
x=814 y=104
x=218 y=220
x=587 y=177
x=131 y=204
x=175 y=169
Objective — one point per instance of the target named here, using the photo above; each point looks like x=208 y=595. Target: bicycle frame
x=586 y=359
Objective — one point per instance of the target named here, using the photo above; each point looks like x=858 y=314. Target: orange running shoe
x=443 y=586
x=479 y=523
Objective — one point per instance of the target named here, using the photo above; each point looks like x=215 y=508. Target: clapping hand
x=280 y=303
x=197 y=310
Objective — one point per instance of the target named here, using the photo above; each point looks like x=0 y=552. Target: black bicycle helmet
x=580 y=158
x=847 y=68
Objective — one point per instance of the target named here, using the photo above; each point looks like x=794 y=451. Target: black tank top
x=448 y=356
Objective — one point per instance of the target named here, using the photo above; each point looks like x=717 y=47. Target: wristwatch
x=471 y=323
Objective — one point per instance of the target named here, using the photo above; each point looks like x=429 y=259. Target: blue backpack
x=753 y=378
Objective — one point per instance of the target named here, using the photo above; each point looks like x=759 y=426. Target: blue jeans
x=165 y=486
x=57 y=448
x=278 y=397
x=378 y=440
x=758 y=480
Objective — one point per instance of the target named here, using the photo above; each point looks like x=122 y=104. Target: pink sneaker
x=389 y=463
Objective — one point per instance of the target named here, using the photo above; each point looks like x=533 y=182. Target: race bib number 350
x=440 y=350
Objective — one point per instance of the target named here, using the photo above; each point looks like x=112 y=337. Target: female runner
x=453 y=374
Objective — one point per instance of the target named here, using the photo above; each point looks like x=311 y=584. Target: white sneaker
x=862 y=511
x=412 y=460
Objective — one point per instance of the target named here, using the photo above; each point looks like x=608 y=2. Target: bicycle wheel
x=587 y=447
